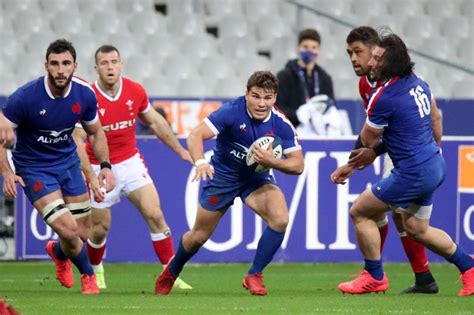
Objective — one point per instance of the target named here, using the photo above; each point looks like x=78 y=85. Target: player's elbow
x=299 y=168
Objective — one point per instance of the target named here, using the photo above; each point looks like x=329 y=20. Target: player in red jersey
x=120 y=102
x=360 y=42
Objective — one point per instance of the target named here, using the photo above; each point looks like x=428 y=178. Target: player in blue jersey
x=237 y=124
x=44 y=113
x=6 y=132
x=399 y=113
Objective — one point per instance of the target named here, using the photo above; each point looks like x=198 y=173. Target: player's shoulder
x=30 y=91
x=280 y=119
x=82 y=85
x=133 y=86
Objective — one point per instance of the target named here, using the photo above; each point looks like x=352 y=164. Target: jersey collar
x=372 y=84
x=265 y=120
x=48 y=91
x=107 y=96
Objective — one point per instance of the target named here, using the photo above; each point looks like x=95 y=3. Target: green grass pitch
x=293 y=289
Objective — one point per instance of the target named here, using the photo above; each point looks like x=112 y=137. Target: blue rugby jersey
x=403 y=107
x=44 y=123
x=236 y=130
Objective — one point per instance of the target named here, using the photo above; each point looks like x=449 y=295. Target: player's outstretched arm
x=9 y=177
x=195 y=143
x=79 y=136
x=370 y=136
x=162 y=130
x=7 y=133
x=436 y=122
x=99 y=145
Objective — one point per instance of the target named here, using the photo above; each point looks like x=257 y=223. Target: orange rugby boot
x=467 y=279
x=89 y=284
x=364 y=283
x=165 y=282
x=63 y=267
x=254 y=283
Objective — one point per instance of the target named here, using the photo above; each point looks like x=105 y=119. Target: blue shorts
x=404 y=188
x=41 y=182
x=218 y=194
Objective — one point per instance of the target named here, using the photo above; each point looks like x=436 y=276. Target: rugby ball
x=264 y=143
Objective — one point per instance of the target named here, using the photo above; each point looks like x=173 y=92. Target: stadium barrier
x=319 y=231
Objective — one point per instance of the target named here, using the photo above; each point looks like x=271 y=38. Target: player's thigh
x=101 y=217
x=413 y=224
x=54 y=212
x=207 y=221
x=269 y=202
x=146 y=200
x=368 y=205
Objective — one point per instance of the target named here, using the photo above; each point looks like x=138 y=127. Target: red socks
x=163 y=245
x=95 y=252
x=416 y=254
x=383 y=230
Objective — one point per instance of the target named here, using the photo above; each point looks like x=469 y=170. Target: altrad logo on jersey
x=53 y=136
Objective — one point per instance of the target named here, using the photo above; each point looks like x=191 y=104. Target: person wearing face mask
x=302 y=79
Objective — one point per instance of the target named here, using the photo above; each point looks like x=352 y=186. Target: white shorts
x=421 y=212
x=130 y=175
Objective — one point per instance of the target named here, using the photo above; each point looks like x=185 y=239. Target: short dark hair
x=396 y=60
x=263 y=79
x=364 y=34
x=309 y=33
x=105 y=49
x=59 y=46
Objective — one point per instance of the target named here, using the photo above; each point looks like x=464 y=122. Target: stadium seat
x=232 y=47
x=420 y=26
x=51 y=7
x=126 y=44
x=466 y=53
x=27 y=22
x=160 y=86
x=219 y=8
x=233 y=26
x=254 y=10
x=230 y=87
x=179 y=66
x=10 y=44
x=425 y=69
x=366 y=8
x=346 y=88
x=394 y=23
x=467 y=9
x=268 y=29
x=113 y=24
x=288 y=14
x=455 y=27
x=138 y=67
x=90 y=7
x=31 y=67
x=310 y=20
x=339 y=8
x=147 y=23
x=85 y=44
x=250 y=64
x=64 y=23
x=284 y=47
x=135 y=6
x=199 y=46
x=195 y=87
x=215 y=68
x=185 y=24
x=39 y=41
x=437 y=9
x=9 y=83
x=437 y=47
x=13 y=6
x=161 y=46
x=404 y=8
x=463 y=89
x=179 y=7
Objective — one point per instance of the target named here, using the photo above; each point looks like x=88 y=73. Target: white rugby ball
x=264 y=143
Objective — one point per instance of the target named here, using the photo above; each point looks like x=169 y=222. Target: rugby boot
x=467 y=279
x=364 y=283
x=254 y=283
x=63 y=267
x=180 y=284
x=164 y=283
x=430 y=288
x=89 y=284
x=100 y=278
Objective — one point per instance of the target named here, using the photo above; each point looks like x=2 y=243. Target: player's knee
x=354 y=212
x=414 y=230
x=156 y=217
x=197 y=238
x=279 y=223
x=99 y=231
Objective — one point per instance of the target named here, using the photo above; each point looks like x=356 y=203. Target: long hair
x=396 y=60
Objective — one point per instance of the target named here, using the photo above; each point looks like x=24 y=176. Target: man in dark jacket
x=302 y=78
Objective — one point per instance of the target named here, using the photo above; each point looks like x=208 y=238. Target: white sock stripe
x=382 y=222
x=160 y=236
x=96 y=246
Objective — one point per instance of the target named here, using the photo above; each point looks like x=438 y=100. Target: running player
x=120 y=102
x=360 y=43
x=44 y=112
x=237 y=124
x=399 y=112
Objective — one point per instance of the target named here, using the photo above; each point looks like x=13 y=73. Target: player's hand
x=364 y=157
x=7 y=134
x=203 y=171
x=263 y=156
x=341 y=174
x=106 y=179
x=98 y=192
x=9 y=184
x=186 y=156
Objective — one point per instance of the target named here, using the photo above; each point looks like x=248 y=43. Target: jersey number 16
x=421 y=100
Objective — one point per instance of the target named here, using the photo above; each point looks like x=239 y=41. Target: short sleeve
x=379 y=110
x=14 y=109
x=287 y=133
x=220 y=119
x=145 y=105
x=90 y=117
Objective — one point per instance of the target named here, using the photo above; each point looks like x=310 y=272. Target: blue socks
x=180 y=259
x=267 y=247
x=462 y=260
x=82 y=262
x=374 y=267
x=58 y=252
